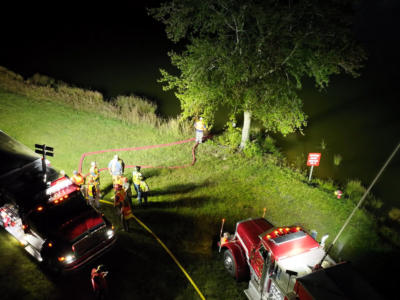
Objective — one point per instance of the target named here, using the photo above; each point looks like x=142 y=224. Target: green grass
x=186 y=207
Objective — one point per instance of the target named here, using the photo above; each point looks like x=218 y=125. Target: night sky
x=115 y=49
x=118 y=49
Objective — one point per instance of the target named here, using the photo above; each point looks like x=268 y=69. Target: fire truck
x=50 y=219
x=287 y=263
x=271 y=257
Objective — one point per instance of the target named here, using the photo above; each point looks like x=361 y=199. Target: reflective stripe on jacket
x=78 y=179
x=199 y=125
x=135 y=177
x=94 y=171
x=143 y=186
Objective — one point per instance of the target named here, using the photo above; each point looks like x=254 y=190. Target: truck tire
x=230 y=263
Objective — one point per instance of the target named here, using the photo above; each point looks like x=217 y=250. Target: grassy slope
x=186 y=204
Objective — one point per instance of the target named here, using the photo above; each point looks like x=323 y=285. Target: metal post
x=220 y=234
x=311 y=169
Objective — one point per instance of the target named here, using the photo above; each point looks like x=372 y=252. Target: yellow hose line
x=167 y=250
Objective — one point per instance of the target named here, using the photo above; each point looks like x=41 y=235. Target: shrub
x=394 y=214
x=41 y=80
x=253 y=149
x=391 y=234
x=231 y=137
x=354 y=190
x=269 y=145
x=135 y=109
x=337 y=159
x=327 y=185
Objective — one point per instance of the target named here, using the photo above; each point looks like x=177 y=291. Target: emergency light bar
x=60 y=189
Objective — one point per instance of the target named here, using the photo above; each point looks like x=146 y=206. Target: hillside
x=186 y=204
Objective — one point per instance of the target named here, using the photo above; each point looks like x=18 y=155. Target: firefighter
x=77 y=178
x=99 y=282
x=126 y=215
x=128 y=191
x=135 y=178
x=119 y=197
x=94 y=172
x=338 y=194
x=200 y=127
x=143 y=190
x=116 y=168
x=92 y=198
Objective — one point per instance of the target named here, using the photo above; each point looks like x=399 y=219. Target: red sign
x=313 y=159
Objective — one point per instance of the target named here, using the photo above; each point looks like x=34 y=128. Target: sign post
x=313 y=160
x=44 y=150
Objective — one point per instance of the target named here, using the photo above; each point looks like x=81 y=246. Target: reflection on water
x=357 y=120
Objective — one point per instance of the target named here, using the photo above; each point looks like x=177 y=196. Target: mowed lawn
x=185 y=211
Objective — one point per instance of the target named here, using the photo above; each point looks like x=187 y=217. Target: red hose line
x=143 y=148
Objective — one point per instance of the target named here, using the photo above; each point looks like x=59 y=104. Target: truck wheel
x=229 y=263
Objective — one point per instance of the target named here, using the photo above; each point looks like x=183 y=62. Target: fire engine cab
x=51 y=219
x=272 y=257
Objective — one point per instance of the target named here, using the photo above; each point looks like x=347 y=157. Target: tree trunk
x=246 y=128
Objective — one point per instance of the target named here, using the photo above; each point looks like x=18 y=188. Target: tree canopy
x=253 y=55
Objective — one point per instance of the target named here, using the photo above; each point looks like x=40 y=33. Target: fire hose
x=143 y=148
x=136 y=219
x=167 y=250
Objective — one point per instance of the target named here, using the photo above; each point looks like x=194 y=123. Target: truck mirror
x=291 y=273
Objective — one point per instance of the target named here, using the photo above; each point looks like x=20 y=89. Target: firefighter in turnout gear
x=95 y=175
x=126 y=186
x=119 y=197
x=123 y=207
x=92 y=197
x=143 y=190
x=126 y=215
x=78 y=179
x=135 y=178
x=99 y=283
x=200 y=127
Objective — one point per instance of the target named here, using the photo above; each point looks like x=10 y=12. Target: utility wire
x=361 y=201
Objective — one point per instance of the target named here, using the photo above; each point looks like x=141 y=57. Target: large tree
x=252 y=56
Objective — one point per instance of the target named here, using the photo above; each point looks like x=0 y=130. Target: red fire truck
x=284 y=263
x=51 y=219
x=271 y=257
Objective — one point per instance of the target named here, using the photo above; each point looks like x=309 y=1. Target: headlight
x=67 y=259
x=110 y=233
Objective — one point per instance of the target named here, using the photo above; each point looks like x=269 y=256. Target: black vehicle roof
x=338 y=282
x=21 y=172
x=13 y=154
